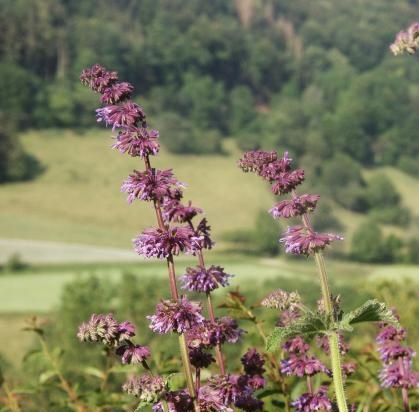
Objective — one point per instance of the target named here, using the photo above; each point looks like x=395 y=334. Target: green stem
x=188 y=370
x=333 y=336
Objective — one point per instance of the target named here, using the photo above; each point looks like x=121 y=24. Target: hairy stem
x=11 y=401
x=188 y=370
x=405 y=395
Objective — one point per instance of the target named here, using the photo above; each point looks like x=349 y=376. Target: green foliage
x=370 y=311
x=310 y=325
x=369 y=245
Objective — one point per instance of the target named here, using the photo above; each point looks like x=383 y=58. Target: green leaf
x=268 y=392
x=142 y=405
x=312 y=324
x=370 y=311
x=46 y=376
x=31 y=353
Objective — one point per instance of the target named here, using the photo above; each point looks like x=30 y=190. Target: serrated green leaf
x=46 y=376
x=370 y=311
x=90 y=370
x=311 y=324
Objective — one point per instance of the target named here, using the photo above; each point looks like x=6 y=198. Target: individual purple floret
x=151 y=185
x=282 y=300
x=105 y=329
x=137 y=141
x=309 y=402
x=124 y=115
x=133 y=354
x=300 y=240
x=406 y=41
x=174 y=211
x=149 y=389
x=253 y=161
x=199 y=279
x=253 y=362
x=176 y=316
x=158 y=243
x=296 y=206
x=200 y=358
x=302 y=365
x=116 y=93
x=98 y=78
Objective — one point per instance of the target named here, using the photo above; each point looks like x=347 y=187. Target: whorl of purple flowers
x=204 y=280
x=300 y=240
x=406 y=41
x=299 y=363
x=133 y=354
x=105 y=329
x=310 y=402
x=152 y=185
x=208 y=334
x=296 y=206
x=177 y=316
x=396 y=358
x=159 y=243
x=200 y=358
x=137 y=141
x=175 y=211
x=148 y=388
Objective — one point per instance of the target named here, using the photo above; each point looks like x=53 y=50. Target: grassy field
x=77 y=198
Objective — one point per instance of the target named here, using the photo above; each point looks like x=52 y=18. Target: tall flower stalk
x=302 y=239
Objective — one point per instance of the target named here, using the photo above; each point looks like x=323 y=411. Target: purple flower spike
x=137 y=141
x=174 y=211
x=309 y=402
x=255 y=160
x=116 y=93
x=176 y=316
x=203 y=280
x=152 y=185
x=160 y=243
x=297 y=206
x=299 y=240
x=253 y=362
x=133 y=354
x=98 y=78
x=125 y=115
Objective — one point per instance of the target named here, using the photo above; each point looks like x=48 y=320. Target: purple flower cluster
x=199 y=279
x=279 y=299
x=297 y=206
x=309 y=402
x=152 y=185
x=149 y=389
x=406 y=41
x=208 y=334
x=137 y=141
x=299 y=363
x=105 y=329
x=176 y=316
x=397 y=359
x=159 y=243
x=300 y=240
x=175 y=211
